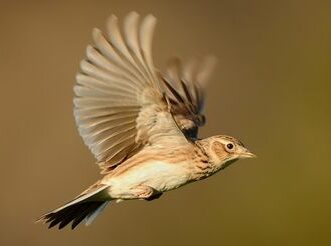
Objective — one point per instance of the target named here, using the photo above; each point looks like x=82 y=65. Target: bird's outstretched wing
x=184 y=87
x=118 y=105
x=122 y=103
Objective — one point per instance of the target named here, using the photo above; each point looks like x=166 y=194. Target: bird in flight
x=140 y=124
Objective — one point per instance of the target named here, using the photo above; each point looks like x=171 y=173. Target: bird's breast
x=160 y=175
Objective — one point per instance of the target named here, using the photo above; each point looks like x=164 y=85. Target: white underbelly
x=159 y=175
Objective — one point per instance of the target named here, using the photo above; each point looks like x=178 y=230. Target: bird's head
x=224 y=150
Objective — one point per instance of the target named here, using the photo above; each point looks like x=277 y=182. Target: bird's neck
x=205 y=165
x=214 y=161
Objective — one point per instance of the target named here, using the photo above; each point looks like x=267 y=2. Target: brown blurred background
x=271 y=89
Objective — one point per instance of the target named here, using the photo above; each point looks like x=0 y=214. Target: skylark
x=140 y=124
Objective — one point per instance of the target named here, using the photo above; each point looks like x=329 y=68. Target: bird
x=140 y=124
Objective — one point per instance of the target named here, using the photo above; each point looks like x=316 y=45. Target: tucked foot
x=154 y=196
x=146 y=192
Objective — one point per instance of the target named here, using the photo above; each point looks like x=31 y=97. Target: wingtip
x=132 y=14
x=96 y=33
x=112 y=17
x=111 y=22
x=151 y=16
x=149 y=20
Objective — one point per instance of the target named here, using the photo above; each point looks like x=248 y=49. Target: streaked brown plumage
x=140 y=124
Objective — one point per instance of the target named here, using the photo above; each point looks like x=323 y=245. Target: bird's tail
x=87 y=205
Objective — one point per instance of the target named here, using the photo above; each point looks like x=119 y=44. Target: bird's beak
x=245 y=153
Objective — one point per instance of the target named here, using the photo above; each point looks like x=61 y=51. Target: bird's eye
x=229 y=146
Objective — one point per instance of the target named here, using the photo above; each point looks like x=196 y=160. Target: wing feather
x=184 y=87
x=118 y=104
x=146 y=36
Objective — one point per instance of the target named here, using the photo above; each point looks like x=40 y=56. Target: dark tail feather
x=74 y=213
x=82 y=207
